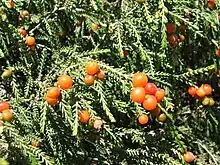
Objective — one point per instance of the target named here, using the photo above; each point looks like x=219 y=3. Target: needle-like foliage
x=66 y=41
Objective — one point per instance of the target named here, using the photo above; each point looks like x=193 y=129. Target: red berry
x=217 y=52
x=211 y=4
x=150 y=88
x=125 y=52
x=173 y=40
x=171 y=28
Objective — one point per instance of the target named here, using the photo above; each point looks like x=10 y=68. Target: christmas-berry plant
x=109 y=82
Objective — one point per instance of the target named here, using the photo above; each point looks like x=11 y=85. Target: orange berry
x=92 y=68
x=189 y=157
x=182 y=38
x=89 y=80
x=138 y=94
x=95 y=27
x=24 y=13
x=35 y=143
x=4 y=105
x=51 y=101
x=83 y=116
x=207 y=88
x=160 y=93
x=53 y=92
x=192 y=90
x=65 y=82
x=101 y=75
x=200 y=92
x=218 y=52
x=143 y=119
x=7 y=115
x=11 y=4
x=30 y=41
x=150 y=103
x=139 y=79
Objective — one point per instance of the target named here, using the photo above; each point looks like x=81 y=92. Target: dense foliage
x=92 y=120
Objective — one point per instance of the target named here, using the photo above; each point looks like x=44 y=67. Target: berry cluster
x=93 y=71
x=95 y=122
x=172 y=37
x=35 y=143
x=5 y=112
x=148 y=95
x=65 y=82
x=201 y=93
x=161 y=117
x=29 y=40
